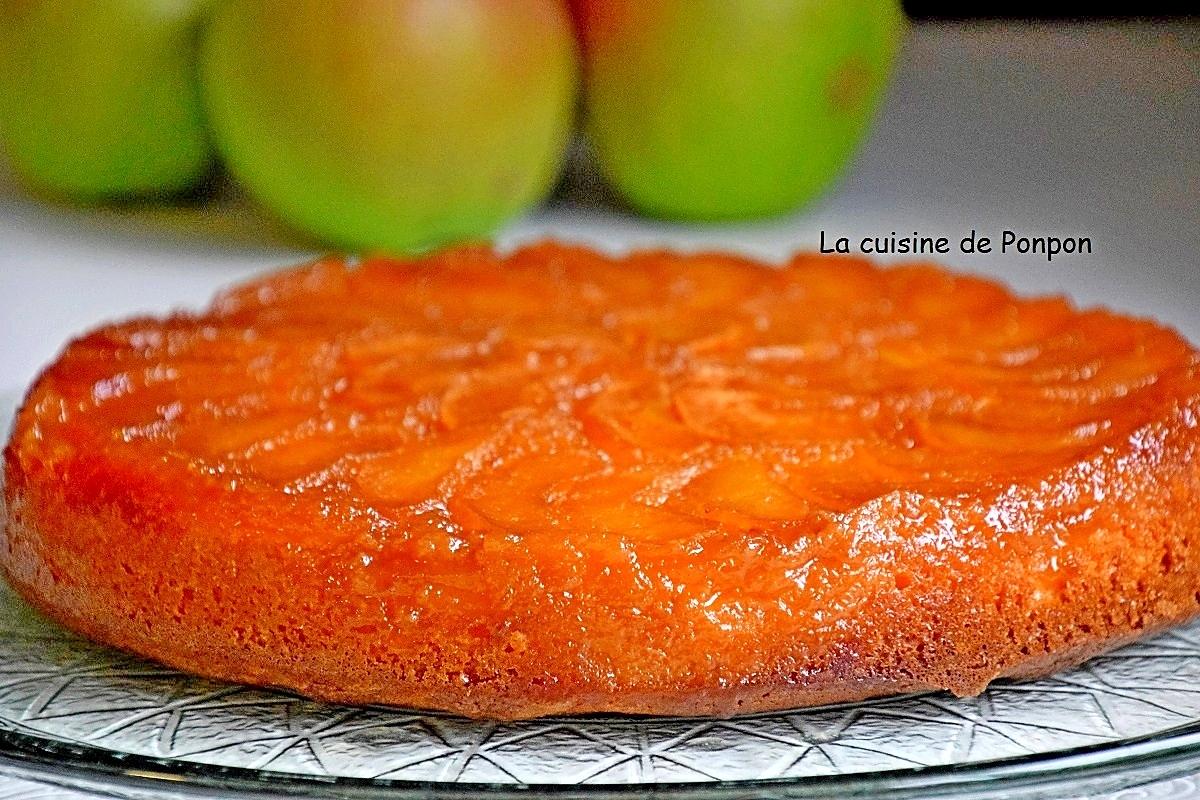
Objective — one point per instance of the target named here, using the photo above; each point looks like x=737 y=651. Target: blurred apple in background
x=392 y=124
x=99 y=98
x=714 y=109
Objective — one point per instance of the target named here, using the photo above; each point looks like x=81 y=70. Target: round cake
x=554 y=481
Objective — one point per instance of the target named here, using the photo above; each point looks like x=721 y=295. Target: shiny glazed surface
x=554 y=481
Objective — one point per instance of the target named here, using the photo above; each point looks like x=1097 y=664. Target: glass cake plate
x=81 y=714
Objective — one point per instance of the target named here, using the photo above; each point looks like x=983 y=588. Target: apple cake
x=554 y=481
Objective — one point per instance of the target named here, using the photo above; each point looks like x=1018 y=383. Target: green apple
x=392 y=124
x=100 y=98
x=713 y=109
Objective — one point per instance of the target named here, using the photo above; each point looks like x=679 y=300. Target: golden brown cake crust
x=555 y=482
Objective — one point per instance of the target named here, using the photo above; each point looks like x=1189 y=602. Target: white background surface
x=1091 y=131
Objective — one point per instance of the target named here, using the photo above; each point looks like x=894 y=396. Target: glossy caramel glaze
x=557 y=482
